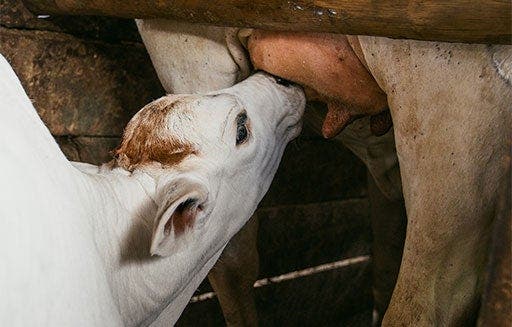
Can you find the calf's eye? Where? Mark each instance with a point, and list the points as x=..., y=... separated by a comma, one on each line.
x=241, y=128
x=241, y=134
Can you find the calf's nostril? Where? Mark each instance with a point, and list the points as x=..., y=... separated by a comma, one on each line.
x=283, y=81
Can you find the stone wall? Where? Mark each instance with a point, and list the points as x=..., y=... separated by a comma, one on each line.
x=88, y=75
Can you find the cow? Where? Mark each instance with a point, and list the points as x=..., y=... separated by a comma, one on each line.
x=450, y=105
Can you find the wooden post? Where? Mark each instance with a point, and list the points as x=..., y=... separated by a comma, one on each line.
x=470, y=21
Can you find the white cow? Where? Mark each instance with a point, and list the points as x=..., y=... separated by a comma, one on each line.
x=451, y=108
x=76, y=240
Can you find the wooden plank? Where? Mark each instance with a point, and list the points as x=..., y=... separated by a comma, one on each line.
x=472, y=21
x=13, y=14
x=91, y=149
x=339, y=297
x=81, y=87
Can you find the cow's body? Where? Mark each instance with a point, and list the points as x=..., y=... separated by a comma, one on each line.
x=452, y=112
x=451, y=107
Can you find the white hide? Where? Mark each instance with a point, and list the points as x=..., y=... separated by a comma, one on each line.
x=452, y=113
x=502, y=60
x=183, y=50
x=75, y=238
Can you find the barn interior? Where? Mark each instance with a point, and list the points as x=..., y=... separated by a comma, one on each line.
x=87, y=76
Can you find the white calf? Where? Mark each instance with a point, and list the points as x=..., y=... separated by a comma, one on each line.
x=75, y=239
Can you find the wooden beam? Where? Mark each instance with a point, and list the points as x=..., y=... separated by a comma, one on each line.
x=470, y=21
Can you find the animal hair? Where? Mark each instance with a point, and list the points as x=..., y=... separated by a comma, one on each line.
x=147, y=139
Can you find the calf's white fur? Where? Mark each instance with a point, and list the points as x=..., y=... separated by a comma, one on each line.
x=75, y=239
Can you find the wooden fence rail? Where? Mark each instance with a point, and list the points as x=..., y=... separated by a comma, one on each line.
x=470, y=21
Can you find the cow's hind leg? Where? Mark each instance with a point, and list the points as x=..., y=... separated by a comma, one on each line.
x=452, y=124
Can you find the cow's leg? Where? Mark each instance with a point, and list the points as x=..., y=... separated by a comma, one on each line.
x=450, y=105
x=450, y=204
x=451, y=145
x=233, y=276
x=388, y=230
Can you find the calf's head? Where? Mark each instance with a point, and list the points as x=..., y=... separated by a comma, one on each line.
x=213, y=155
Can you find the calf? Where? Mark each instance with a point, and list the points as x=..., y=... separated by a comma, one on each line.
x=128, y=243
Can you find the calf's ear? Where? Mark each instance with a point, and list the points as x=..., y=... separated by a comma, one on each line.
x=183, y=202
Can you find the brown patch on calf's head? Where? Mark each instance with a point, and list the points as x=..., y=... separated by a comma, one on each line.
x=146, y=138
